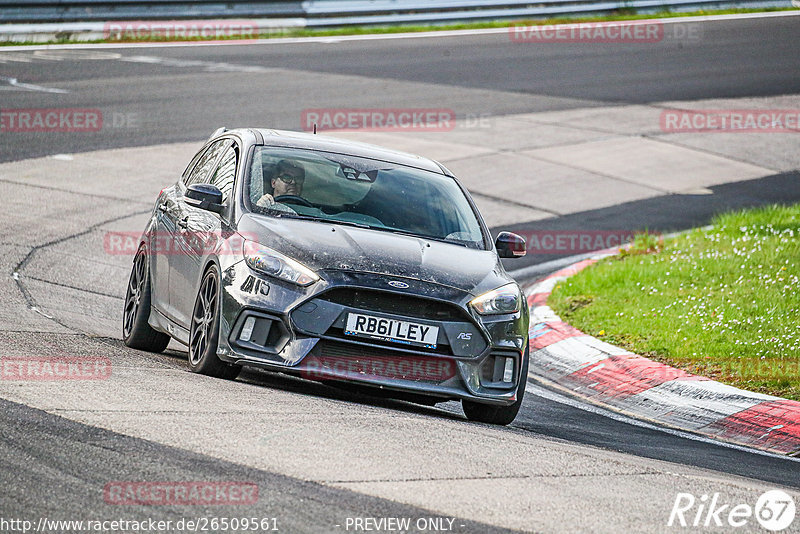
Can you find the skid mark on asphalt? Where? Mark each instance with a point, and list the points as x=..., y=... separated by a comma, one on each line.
x=71, y=192
x=18, y=270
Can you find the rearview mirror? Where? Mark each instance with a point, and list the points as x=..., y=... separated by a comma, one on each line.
x=354, y=174
x=510, y=245
x=204, y=196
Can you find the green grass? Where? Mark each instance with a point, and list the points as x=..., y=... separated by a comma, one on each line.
x=721, y=302
x=623, y=14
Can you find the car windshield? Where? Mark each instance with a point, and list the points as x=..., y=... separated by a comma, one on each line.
x=287, y=182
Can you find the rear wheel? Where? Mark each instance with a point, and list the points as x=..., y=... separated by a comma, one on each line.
x=204, y=331
x=498, y=415
x=136, y=332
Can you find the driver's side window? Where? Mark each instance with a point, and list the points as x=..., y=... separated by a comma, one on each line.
x=225, y=173
x=202, y=169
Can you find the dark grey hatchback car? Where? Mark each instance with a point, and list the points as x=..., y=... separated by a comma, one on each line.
x=334, y=261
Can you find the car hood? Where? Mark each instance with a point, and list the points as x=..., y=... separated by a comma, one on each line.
x=322, y=246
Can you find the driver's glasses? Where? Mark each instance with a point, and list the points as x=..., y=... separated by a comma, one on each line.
x=287, y=178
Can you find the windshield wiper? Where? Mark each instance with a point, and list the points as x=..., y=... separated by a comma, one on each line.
x=331, y=221
x=421, y=236
x=372, y=227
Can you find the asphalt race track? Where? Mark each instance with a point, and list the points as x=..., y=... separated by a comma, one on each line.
x=176, y=100
x=319, y=455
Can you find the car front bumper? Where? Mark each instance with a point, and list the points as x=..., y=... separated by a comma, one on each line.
x=281, y=327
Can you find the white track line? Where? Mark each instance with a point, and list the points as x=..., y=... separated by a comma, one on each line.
x=13, y=82
x=381, y=37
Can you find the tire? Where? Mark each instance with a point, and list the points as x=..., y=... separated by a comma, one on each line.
x=136, y=332
x=204, y=331
x=498, y=415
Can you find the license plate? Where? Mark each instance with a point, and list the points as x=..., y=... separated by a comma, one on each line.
x=391, y=330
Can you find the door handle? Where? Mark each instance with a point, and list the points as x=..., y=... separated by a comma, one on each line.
x=162, y=207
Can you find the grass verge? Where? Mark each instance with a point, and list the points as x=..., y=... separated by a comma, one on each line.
x=721, y=302
x=364, y=30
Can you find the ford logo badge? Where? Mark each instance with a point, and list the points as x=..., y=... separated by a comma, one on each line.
x=399, y=285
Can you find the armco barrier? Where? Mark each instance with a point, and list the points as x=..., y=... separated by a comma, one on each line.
x=566, y=359
x=36, y=20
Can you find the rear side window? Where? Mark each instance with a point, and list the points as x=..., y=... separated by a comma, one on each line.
x=199, y=174
x=225, y=173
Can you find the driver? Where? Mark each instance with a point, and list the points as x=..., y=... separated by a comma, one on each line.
x=288, y=180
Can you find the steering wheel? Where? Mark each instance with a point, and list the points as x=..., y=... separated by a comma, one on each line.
x=294, y=199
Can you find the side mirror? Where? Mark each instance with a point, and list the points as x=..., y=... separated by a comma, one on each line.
x=510, y=245
x=204, y=196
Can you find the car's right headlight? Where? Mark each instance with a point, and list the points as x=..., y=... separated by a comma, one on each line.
x=504, y=299
x=273, y=263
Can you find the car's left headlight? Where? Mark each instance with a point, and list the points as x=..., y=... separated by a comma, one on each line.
x=504, y=299
x=273, y=263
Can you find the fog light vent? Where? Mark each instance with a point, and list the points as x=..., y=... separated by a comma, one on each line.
x=500, y=370
x=247, y=329
x=254, y=330
x=508, y=371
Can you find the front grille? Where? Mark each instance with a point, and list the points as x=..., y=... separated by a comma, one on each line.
x=395, y=303
x=441, y=348
x=329, y=347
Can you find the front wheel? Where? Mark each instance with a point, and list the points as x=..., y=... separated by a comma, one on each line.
x=136, y=331
x=498, y=415
x=204, y=331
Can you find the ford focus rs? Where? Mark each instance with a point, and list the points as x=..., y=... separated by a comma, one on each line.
x=334, y=261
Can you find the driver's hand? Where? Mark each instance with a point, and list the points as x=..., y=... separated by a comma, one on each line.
x=265, y=201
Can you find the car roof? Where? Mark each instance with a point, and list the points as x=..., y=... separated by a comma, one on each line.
x=285, y=138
